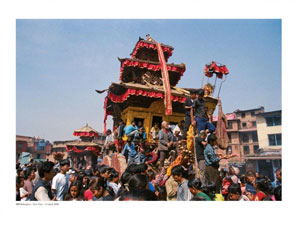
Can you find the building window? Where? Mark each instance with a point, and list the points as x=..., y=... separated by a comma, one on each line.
x=256, y=147
x=274, y=140
x=244, y=125
x=273, y=120
x=252, y=113
x=246, y=150
x=254, y=137
x=245, y=138
x=277, y=120
x=229, y=125
x=243, y=114
x=38, y=156
x=254, y=124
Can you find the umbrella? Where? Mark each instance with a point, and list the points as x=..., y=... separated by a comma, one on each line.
x=24, y=158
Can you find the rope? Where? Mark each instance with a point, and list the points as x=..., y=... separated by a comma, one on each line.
x=221, y=85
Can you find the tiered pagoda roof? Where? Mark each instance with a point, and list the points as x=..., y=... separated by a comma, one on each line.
x=137, y=70
x=86, y=131
x=144, y=46
x=141, y=80
x=87, y=135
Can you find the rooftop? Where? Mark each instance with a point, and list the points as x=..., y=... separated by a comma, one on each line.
x=86, y=128
x=254, y=109
x=270, y=112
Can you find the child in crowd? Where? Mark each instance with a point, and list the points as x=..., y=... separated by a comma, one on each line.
x=97, y=188
x=234, y=193
x=75, y=192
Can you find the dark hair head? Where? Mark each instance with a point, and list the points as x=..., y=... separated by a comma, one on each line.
x=113, y=174
x=195, y=183
x=45, y=167
x=263, y=184
x=234, y=189
x=212, y=138
x=64, y=162
x=250, y=173
x=192, y=91
x=142, y=167
x=80, y=195
x=138, y=181
x=28, y=172
x=132, y=168
x=278, y=170
x=277, y=193
x=200, y=92
x=19, y=180
x=19, y=170
x=125, y=177
x=243, y=179
x=138, y=195
x=108, y=131
x=210, y=190
x=177, y=170
x=96, y=183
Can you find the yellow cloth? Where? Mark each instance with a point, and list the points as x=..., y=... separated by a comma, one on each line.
x=219, y=197
x=177, y=161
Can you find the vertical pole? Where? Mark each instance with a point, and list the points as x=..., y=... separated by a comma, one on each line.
x=202, y=81
x=215, y=85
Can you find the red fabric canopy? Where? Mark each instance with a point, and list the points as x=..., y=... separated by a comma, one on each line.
x=152, y=46
x=89, y=134
x=95, y=150
x=149, y=66
x=130, y=91
x=213, y=68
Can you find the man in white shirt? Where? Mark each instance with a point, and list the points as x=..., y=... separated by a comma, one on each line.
x=60, y=183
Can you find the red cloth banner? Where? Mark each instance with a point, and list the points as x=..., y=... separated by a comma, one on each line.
x=105, y=115
x=166, y=82
x=141, y=44
x=121, y=98
x=89, y=134
x=149, y=66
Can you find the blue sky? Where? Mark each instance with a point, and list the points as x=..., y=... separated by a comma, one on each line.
x=60, y=63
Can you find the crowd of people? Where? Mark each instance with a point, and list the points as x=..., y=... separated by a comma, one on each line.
x=167, y=173
x=45, y=182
